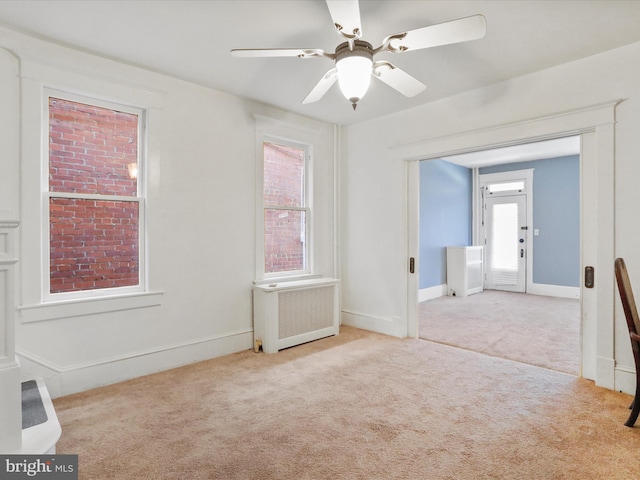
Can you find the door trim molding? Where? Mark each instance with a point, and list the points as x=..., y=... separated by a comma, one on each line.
x=598, y=360
x=547, y=127
x=525, y=174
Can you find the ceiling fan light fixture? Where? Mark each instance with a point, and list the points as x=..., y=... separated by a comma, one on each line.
x=354, y=66
x=353, y=59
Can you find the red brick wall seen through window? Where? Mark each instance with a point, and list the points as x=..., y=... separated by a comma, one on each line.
x=93, y=241
x=284, y=228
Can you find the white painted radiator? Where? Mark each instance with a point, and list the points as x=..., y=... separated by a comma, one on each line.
x=290, y=313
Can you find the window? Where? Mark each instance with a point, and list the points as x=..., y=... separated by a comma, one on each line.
x=95, y=205
x=517, y=186
x=285, y=208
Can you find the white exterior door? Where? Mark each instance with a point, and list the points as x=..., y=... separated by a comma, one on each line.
x=506, y=243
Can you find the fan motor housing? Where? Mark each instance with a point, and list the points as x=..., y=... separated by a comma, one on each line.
x=360, y=49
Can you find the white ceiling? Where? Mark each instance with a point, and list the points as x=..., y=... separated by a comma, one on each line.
x=558, y=147
x=192, y=39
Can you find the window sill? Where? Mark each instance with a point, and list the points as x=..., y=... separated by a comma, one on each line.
x=79, y=308
x=297, y=284
x=287, y=278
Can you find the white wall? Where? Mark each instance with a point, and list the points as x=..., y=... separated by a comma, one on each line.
x=10, y=408
x=374, y=183
x=201, y=209
x=201, y=225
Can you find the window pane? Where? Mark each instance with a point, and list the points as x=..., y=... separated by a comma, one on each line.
x=91, y=148
x=93, y=244
x=283, y=176
x=506, y=187
x=284, y=240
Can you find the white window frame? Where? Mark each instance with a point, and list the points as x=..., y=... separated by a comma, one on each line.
x=47, y=296
x=281, y=133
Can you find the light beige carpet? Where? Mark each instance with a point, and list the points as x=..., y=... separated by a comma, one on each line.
x=355, y=406
x=534, y=329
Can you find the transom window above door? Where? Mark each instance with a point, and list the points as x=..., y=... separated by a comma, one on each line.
x=503, y=187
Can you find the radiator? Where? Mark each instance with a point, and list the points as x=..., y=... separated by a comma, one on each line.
x=290, y=313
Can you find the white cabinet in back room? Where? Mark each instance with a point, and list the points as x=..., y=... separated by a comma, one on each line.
x=465, y=270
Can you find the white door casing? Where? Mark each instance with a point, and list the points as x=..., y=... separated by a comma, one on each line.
x=505, y=235
x=595, y=125
x=525, y=178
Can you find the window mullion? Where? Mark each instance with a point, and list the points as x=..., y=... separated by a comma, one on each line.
x=95, y=196
x=281, y=207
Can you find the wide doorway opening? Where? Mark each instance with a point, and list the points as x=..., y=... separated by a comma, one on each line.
x=521, y=205
x=534, y=329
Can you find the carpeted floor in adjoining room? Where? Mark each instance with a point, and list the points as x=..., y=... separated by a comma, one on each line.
x=533, y=329
x=356, y=406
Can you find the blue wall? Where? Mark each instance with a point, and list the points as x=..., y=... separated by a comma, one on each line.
x=556, y=214
x=445, y=216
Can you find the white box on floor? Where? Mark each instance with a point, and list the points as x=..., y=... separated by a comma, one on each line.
x=465, y=270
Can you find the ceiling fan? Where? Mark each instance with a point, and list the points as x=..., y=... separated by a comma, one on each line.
x=354, y=58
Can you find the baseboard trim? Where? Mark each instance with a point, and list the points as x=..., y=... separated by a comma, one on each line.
x=625, y=380
x=554, y=291
x=432, y=293
x=606, y=373
x=387, y=326
x=65, y=380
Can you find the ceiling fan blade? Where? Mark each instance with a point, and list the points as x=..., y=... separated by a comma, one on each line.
x=346, y=17
x=398, y=79
x=322, y=86
x=455, y=31
x=279, y=52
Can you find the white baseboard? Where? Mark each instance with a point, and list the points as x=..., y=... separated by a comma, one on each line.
x=387, y=326
x=554, y=291
x=534, y=289
x=432, y=293
x=65, y=380
x=606, y=372
x=625, y=380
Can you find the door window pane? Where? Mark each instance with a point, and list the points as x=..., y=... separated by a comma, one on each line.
x=505, y=237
